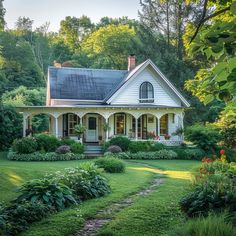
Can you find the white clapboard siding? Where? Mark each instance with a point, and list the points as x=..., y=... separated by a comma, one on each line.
x=129, y=93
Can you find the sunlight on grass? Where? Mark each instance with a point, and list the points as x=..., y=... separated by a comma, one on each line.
x=170, y=173
x=14, y=179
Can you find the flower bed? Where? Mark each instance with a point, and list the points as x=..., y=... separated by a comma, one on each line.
x=40, y=156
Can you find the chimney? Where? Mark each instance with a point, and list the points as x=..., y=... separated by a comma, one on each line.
x=131, y=62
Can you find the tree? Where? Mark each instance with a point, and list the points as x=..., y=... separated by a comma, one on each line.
x=10, y=126
x=169, y=18
x=2, y=14
x=24, y=25
x=109, y=46
x=73, y=30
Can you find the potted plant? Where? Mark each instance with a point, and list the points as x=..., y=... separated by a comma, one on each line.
x=79, y=129
x=106, y=127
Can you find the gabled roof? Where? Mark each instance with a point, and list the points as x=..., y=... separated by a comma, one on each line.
x=97, y=84
x=136, y=71
x=83, y=84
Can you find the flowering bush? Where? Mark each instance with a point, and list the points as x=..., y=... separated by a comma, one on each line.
x=63, y=149
x=214, y=187
x=114, y=149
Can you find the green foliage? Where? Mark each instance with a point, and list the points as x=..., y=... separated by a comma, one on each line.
x=194, y=153
x=216, y=194
x=77, y=148
x=18, y=217
x=162, y=154
x=214, y=189
x=139, y=146
x=212, y=225
x=9, y=130
x=25, y=145
x=39, y=156
x=111, y=164
x=80, y=129
x=47, y=143
x=109, y=46
x=85, y=181
x=121, y=141
x=202, y=136
x=47, y=191
x=73, y=30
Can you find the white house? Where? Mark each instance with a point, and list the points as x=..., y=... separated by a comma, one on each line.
x=140, y=103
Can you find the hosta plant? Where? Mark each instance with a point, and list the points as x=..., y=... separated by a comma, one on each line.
x=48, y=191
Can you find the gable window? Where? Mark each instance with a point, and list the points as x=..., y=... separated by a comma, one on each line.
x=146, y=93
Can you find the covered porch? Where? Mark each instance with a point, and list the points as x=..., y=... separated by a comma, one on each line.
x=103, y=123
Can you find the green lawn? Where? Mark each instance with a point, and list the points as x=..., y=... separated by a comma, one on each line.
x=152, y=215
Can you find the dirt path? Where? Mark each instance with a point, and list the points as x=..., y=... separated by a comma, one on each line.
x=104, y=216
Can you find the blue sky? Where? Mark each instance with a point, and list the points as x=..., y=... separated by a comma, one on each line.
x=55, y=10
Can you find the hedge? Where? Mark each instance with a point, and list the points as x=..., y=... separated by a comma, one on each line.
x=38, y=156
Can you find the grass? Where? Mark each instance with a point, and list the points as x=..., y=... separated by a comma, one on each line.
x=152, y=215
x=157, y=213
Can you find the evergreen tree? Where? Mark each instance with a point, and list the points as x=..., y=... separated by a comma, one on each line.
x=2, y=14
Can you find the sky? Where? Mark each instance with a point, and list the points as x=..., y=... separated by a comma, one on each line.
x=54, y=11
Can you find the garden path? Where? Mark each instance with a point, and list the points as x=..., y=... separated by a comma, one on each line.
x=92, y=226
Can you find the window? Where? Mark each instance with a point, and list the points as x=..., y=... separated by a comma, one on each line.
x=146, y=93
x=119, y=123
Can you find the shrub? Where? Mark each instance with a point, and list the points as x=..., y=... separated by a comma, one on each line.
x=121, y=141
x=216, y=193
x=209, y=226
x=38, y=156
x=63, y=149
x=166, y=154
x=181, y=153
x=25, y=145
x=85, y=181
x=162, y=154
x=111, y=164
x=77, y=148
x=202, y=136
x=195, y=153
x=114, y=149
x=18, y=217
x=47, y=191
x=67, y=141
x=156, y=146
x=139, y=146
x=47, y=142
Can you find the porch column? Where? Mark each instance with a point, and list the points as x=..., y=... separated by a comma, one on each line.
x=107, y=131
x=56, y=126
x=25, y=117
x=136, y=129
x=158, y=127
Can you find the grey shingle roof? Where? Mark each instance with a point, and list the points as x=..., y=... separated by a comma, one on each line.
x=83, y=84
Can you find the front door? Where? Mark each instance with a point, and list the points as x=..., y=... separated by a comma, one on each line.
x=92, y=129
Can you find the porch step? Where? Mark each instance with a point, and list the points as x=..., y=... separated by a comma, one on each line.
x=93, y=150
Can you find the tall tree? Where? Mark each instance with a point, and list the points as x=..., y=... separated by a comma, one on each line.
x=73, y=30
x=2, y=14
x=169, y=17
